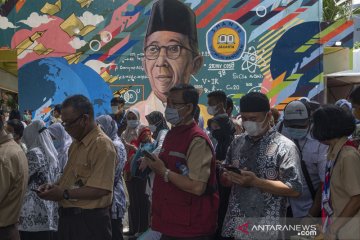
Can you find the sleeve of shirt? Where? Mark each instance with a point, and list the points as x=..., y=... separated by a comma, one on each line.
x=290, y=169
x=5, y=181
x=199, y=156
x=103, y=166
x=350, y=172
x=322, y=160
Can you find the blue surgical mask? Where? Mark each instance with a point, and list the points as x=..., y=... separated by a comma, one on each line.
x=152, y=128
x=133, y=123
x=297, y=133
x=172, y=116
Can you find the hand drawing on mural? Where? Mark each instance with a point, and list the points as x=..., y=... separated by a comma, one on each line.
x=171, y=52
x=252, y=61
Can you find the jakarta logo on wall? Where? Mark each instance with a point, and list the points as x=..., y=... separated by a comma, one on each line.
x=226, y=41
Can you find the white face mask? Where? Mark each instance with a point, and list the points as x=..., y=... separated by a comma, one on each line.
x=133, y=123
x=152, y=128
x=114, y=109
x=212, y=110
x=254, y=129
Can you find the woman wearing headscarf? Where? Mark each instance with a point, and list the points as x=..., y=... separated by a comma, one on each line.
x=109, y=126
x=223, y=131
x=139, y=203
x=39, y=218
x=158, y=127
x=62, y=142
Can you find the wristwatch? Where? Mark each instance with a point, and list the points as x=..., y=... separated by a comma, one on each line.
x=166, y=175
x=66, y=195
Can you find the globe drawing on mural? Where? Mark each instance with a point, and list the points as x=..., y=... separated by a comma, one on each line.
x=57, y=81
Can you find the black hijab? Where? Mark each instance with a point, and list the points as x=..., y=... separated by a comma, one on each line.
x=157, y=118
x=224, y=135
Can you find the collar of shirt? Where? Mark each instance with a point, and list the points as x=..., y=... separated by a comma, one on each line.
x=90, y=136
x=5, y=138
x=335, y=149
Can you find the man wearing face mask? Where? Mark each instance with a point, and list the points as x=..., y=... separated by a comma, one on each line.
x=297, y=121
x=185, y=198
x=118, y=113
x=269, y=171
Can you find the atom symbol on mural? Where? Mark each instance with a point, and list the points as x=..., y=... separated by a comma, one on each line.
x=252, y=60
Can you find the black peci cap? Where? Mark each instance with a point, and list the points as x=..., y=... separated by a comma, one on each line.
x=254, y=102
x=174, y=16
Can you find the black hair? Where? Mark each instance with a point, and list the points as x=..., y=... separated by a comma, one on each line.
x=14, y=114
x=17, y=126
x=330, y=122
x=189, y=94
x=57, y=108
x=229, y=104
x=220, y=96
x=116, y=101
x=80, y=104
x=355, y=96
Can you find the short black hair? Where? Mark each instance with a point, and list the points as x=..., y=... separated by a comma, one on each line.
x=116, y=101
x=17, y=126
x=355, y=95
x=14, y=114
x=219, y=95
x=80, y=103
x=229, y=103
x=331, y=122
x=57, y=108
x=189, y=94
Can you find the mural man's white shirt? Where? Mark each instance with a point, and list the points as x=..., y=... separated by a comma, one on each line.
x=152, y=103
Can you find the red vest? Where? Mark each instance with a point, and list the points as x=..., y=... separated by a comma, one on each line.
x=175, y=212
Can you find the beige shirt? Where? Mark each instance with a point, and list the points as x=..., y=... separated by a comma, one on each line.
x=91, y=163
x=199, y=156
x=345, y=183
x=13, y=180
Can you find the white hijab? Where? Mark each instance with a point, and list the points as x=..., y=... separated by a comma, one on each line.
x=37, y=135
x=131, y=133
x=58, y=132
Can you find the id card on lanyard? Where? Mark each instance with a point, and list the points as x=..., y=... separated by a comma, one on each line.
x=327, y=210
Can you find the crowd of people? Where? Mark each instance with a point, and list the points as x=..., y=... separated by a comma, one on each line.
x=77, y=177
x=175, y=175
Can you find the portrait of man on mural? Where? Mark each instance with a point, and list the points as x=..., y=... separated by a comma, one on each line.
x=171, y=52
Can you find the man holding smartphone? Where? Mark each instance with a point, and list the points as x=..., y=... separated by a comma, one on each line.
x=270, y=172
x=185, y=198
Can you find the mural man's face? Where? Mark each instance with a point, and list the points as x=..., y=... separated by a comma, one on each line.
x=164, y=72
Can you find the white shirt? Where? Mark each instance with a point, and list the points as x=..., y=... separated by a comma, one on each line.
x=314, y=155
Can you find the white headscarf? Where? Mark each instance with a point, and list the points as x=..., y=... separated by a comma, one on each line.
x=58, y=132
x=37, y=135
x=131, y=133
x=108, y=125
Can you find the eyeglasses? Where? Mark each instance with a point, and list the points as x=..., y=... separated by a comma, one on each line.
x=67, y=125
x=152, y=52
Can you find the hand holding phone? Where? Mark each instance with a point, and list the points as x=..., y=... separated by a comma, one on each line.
x=232, y=169
x=35, y=190
x=148, y=155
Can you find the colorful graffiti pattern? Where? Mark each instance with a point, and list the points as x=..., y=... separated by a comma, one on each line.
x=73, y=46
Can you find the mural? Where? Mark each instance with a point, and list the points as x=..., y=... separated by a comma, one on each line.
x=95, y=47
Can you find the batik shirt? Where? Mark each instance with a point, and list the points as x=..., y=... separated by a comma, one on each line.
x=273, y=157
x=37, y=214
x=119, y=198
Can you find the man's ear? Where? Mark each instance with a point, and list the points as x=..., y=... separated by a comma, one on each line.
x=143, y=63
x=197, y=64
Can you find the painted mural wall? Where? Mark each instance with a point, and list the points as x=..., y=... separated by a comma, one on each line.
x=95, y=48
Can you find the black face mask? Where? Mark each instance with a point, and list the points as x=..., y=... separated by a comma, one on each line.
x=218, y=134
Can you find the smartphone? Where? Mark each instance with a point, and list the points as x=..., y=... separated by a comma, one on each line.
x=233, y=169
x=35, y=190
x=148, y=155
